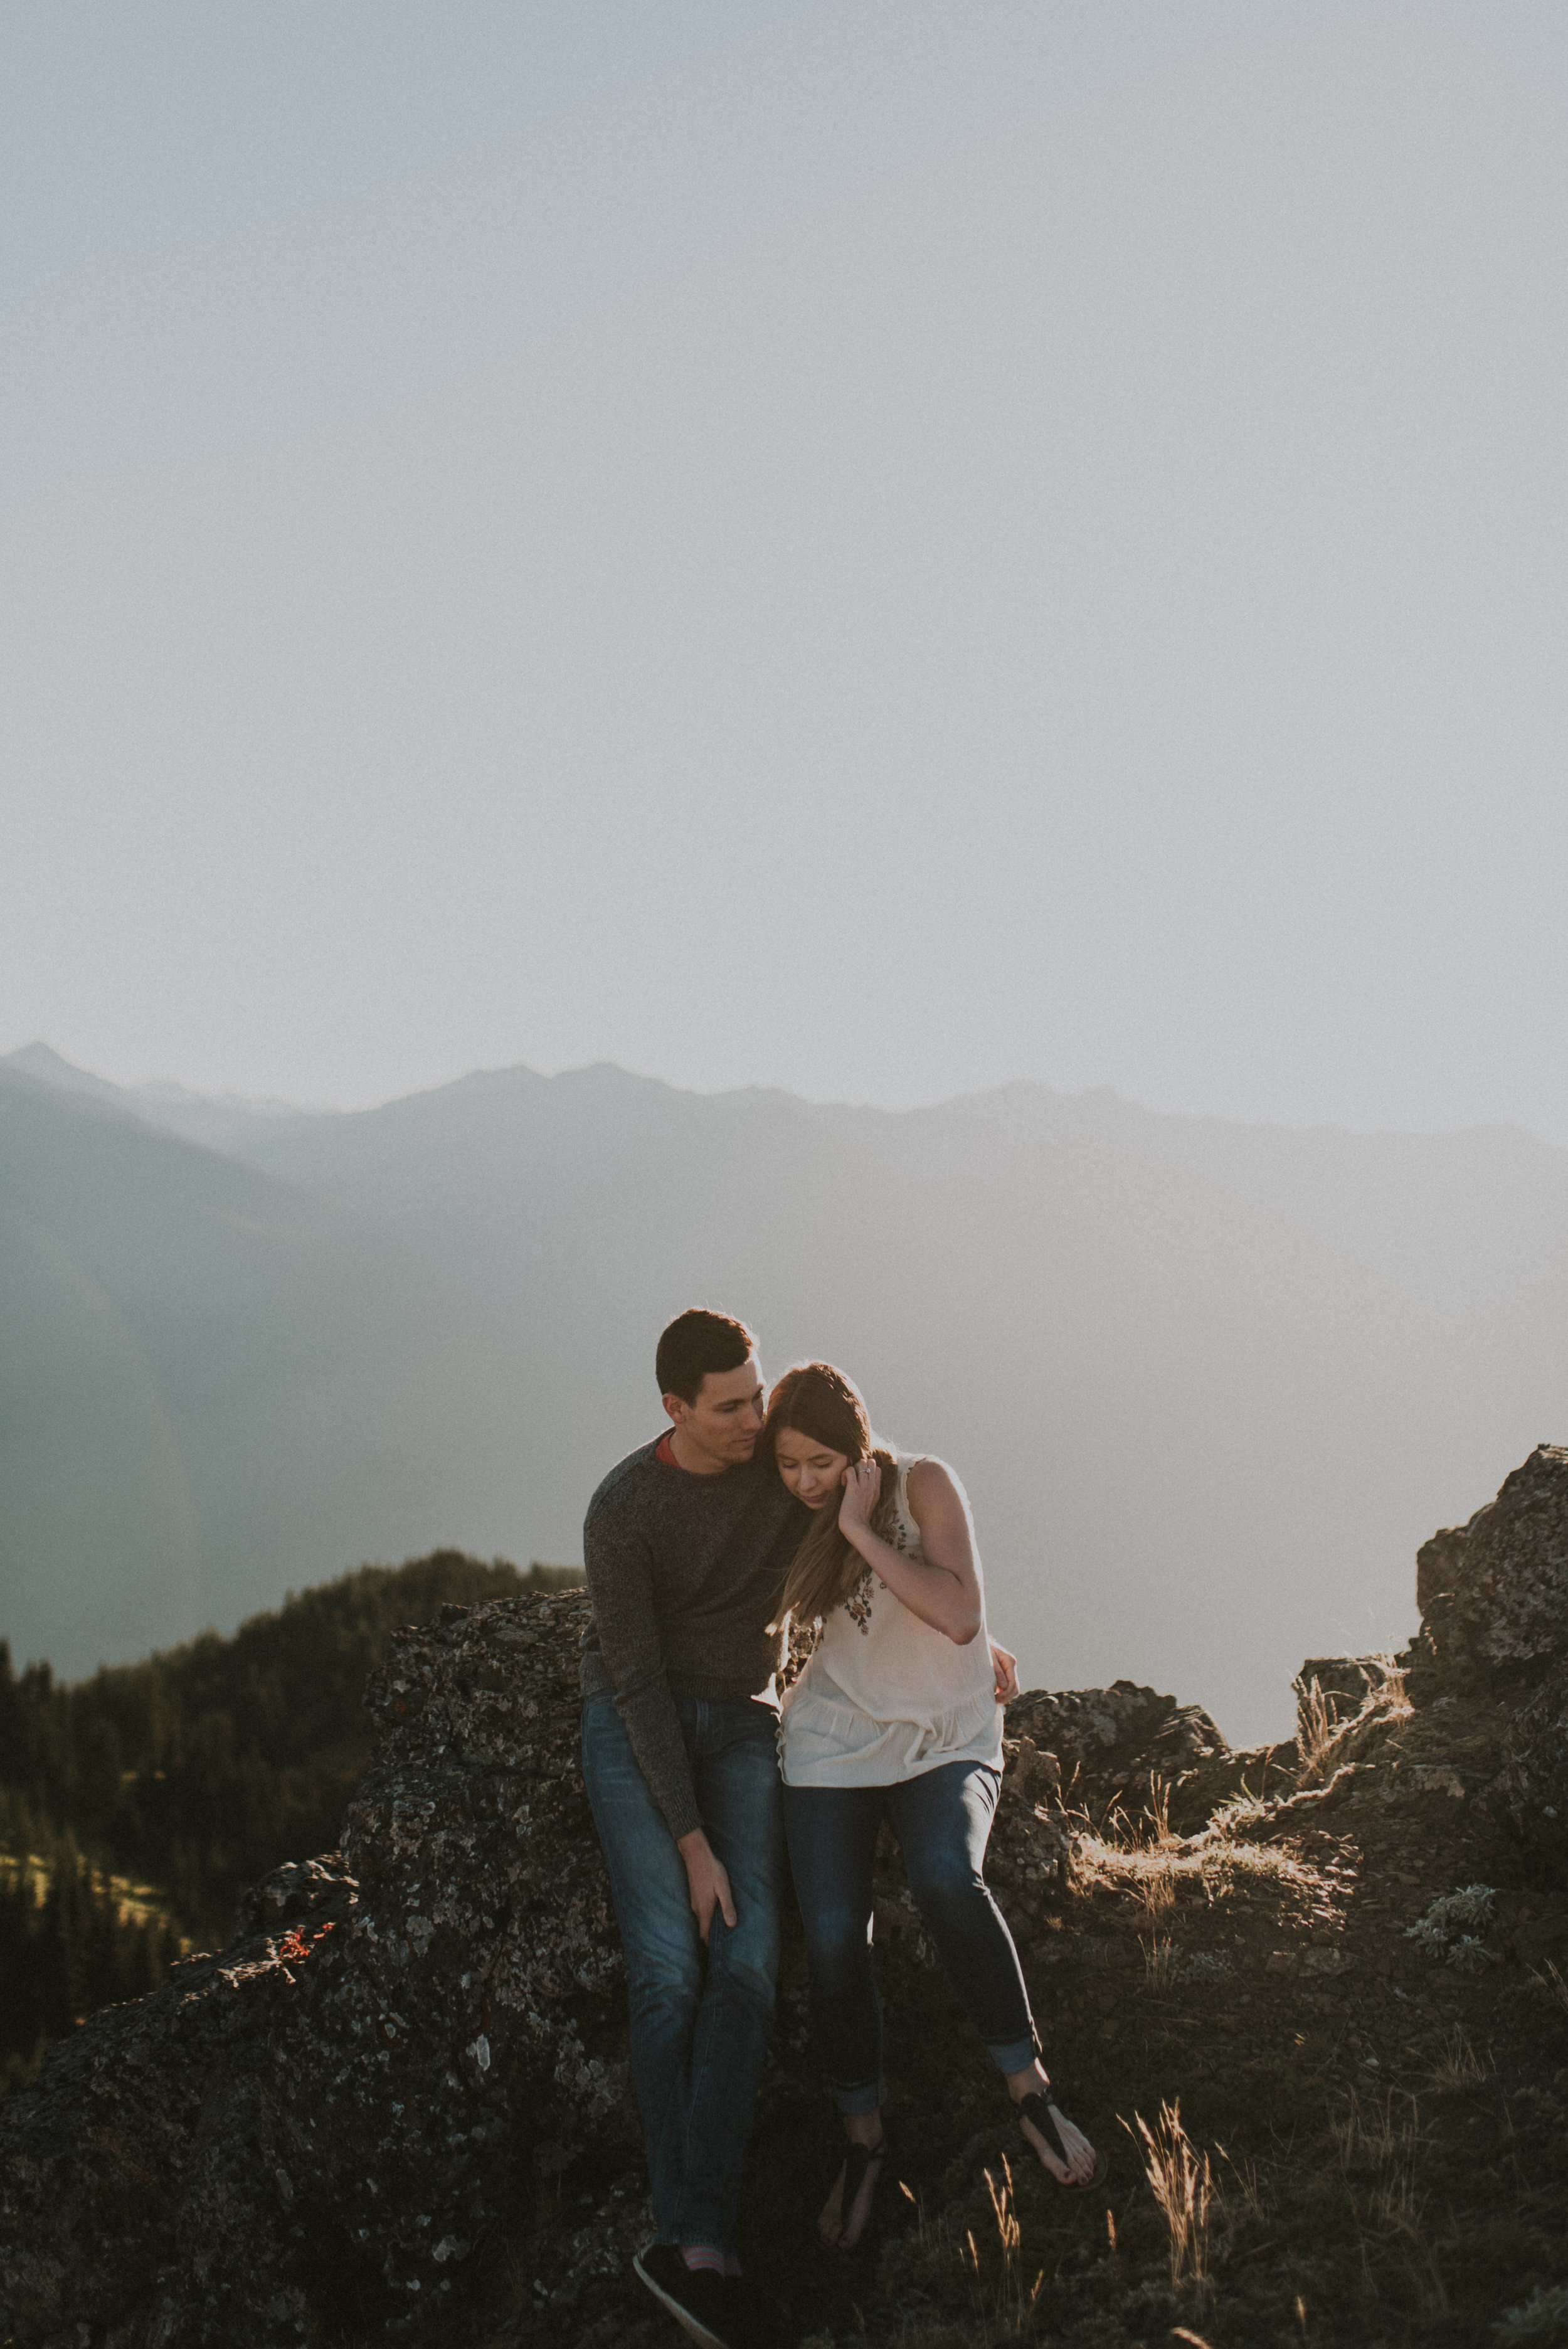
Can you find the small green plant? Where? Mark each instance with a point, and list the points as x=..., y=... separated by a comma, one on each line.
x=1542, y=2317
x=1204, y=1966
x=1441, y=1931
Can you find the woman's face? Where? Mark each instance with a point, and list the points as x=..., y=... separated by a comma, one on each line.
x=813, y=1473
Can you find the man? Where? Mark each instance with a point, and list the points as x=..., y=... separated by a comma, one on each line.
x=685, y=1545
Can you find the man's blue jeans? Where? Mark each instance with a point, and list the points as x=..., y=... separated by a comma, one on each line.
x=700, y=2019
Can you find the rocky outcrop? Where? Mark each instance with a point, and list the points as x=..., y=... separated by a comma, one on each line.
x=334, y=2129
x=1493, y=1594
x=396, y=2107
x=1122, y=1750
x=1130, y=1758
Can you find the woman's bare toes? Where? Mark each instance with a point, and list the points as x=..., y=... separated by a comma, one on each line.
x=1079, y=2165
x=1047, y=2158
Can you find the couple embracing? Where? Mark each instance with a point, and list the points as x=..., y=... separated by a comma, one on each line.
x=754, y=1510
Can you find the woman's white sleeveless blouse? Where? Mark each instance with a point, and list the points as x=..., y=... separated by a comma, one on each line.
x=884, y=1696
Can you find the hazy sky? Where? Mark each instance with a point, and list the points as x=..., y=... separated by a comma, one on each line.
x=876, y=549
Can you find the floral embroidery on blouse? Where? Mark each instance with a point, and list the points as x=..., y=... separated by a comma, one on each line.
x=802, y=1645
x=857, y=1605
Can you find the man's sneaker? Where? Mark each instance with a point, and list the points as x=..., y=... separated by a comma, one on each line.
x=697, y=2298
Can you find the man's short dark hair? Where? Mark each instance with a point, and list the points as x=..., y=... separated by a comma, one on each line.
x=696, y=1343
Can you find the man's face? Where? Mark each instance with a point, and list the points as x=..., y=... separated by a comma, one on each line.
x=726, y=1420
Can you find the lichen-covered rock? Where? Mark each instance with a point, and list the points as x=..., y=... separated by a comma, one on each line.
x=1493, y=1594
x=1120, y=1749
x=330, y=2132
x=298, y=1889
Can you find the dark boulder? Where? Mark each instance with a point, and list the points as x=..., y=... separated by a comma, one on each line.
x=1493, y=1594
x=331, y=2132
x=1121, y=1750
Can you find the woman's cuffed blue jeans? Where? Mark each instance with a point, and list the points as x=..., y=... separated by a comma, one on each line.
x=701, y=2019
x=941, y=1820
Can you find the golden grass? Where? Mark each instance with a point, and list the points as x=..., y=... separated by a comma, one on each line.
x=1316, y=1728
x=1208, y=1863
x=1005, y=2298
x=1159, y=1962
x=1324, y=1742
x=1182, y=2181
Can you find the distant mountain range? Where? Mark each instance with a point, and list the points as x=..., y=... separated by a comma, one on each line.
x=1207, y=1386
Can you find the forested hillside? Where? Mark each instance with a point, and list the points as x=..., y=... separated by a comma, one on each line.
x=136, y=1805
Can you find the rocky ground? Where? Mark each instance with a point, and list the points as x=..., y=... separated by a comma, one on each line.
x=1313, y=2000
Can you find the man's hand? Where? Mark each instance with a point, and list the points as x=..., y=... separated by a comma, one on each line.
x=1006, y=1668
x=706, y=1881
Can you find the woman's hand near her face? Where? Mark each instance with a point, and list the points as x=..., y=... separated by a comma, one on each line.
x=943, y=1589
x=862, y=1487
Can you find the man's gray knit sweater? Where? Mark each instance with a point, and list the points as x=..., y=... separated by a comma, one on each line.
x=685, y=1573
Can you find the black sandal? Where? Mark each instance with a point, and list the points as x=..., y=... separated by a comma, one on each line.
x=857, y=2159
x=1035, y=2108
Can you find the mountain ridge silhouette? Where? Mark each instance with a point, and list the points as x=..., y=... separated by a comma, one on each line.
x=1207, y=1385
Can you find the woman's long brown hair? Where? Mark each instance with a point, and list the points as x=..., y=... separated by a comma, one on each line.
x=825, y=1405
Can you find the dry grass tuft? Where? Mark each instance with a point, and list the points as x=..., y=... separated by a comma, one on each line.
x=1552, y=1983
x=1392, y=1696
x=1253, y=2196
x=1006, y=2305
x=1156, y=1887
x=1371, y=2140
x=1182, y=2184
x=1314, y=1734
x=1326, y=1741
x=1460, y=2065
x=1151, y=1831
x=1210, y=1862
x=1380, y=2149
x=1159, y=1962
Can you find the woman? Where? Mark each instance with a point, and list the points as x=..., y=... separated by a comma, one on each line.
x=895, y=1715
